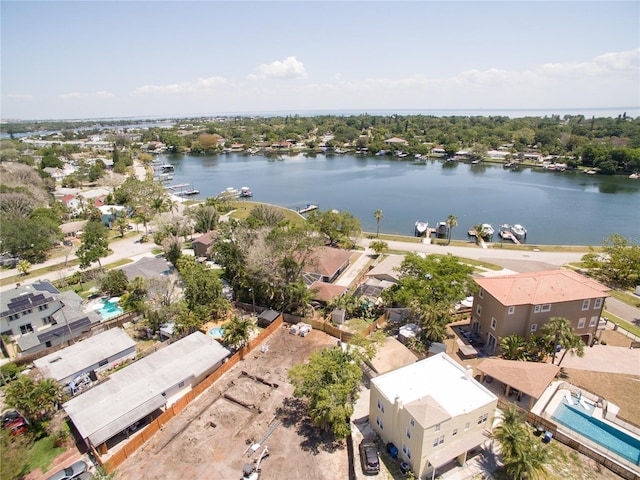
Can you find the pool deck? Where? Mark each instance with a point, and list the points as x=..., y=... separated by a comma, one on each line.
x=558, y=391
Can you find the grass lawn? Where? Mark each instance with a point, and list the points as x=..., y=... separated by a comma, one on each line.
x=242, y=209
x=42, y=454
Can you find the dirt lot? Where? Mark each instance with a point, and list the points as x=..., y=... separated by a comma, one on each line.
x=210, y=438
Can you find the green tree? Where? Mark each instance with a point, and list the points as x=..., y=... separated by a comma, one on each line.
x=618, y=264
x=36, y=399
x=24, y=266
x=267, y=215
x=202, y=288
x=330, y=382
x=114, y=283
x=378, y=216
x=205, y=217
x=452, y=221
x=94, y=245
x=559, y=332
x=379, y=246
x=340, y=228
x=573, y=345
x=237, y=332
x=514, y=347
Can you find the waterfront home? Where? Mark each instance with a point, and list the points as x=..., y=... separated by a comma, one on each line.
x=396, y=141
x=521, y=304
x=325, y=264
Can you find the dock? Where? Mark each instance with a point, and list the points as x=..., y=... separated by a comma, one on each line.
x=179, y=185
x=505, y=235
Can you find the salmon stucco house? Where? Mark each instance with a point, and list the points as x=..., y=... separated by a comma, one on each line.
x=432, y=411
x=521, y=304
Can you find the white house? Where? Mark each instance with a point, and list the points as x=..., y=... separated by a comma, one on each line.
x=433, y=411
x=141, y=390
x=93, y=355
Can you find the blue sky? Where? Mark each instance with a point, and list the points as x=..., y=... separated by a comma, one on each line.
x=166, y=58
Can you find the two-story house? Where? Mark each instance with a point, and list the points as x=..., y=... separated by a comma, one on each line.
x=521, y=304
x=433, y=411
x=38, y=316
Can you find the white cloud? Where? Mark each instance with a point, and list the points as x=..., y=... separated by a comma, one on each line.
x=201, y=85
x=20, y=96
x=290, y=67
x=85, y=96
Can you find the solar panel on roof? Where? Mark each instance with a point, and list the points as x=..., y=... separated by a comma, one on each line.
x=46, y=287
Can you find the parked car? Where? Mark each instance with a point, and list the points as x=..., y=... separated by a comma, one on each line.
x=369, y=458
x=72, y=472
x=17, y=427
x=9, y=416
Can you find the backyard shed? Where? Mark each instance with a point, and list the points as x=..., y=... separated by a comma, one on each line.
x=267, y=317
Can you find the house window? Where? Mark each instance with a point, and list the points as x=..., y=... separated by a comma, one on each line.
x=47, y=344
x=181, y=384
x=14, y=317
x=413, y=423
x=493, y=323
x=43, y=307
x=379, y=423
x=536, y=309
x=408, y=433
x=406, y=450
x=26, y=328
x=534, y=327
x=437, y=427
x=435, y=442
x=581, y=322
x=380, y=406
x=441, y=440
x=511, y=310
x=481, y=293
x=455, y=432
x=597, y=303
x=48, y=320
x=27, y=311
x=593, y=321
x=482, y=418
x=479, y=310
x=466, y=426
x=585, y=304
x=546, y=307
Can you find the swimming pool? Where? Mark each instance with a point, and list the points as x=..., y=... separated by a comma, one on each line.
x=216, y=332
x=109, y=309
x=577, y=419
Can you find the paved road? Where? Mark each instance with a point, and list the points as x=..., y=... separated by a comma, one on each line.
x=122, y=249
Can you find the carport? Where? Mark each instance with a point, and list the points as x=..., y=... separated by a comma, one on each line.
x=530, y=378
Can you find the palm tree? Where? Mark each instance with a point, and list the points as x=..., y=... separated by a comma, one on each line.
x=574, y=345
x=378, y=216
x=237, y=332
x=513, y=347
x=452, y=221
x=558, y=332
x=378, y=246
x=480, y=232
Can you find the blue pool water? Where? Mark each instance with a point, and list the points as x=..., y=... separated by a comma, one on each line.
x=216, y=332
x=581, y=421
x=109, y=310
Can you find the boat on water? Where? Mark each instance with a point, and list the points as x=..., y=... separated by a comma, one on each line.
x=188, y=192
x=519, y=231
x=505, y=231
x=487, y=230
x=635, y=175
x=307, y=208
x=421, y=228
x=246, y=192
x=167, y=167
x=229, y=192
x=442, y=229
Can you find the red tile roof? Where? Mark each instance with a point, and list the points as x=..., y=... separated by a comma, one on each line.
x=535, y=288
x=325, y=292
x=326, y=261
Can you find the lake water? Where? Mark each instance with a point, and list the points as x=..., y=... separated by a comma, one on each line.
x=556, y=208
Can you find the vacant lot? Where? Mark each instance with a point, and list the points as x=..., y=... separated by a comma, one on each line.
x=211, y=437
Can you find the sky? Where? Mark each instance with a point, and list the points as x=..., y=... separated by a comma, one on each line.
x=149, y=59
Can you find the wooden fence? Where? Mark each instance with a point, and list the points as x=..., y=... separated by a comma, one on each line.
x=547, y=425
x=137, y=441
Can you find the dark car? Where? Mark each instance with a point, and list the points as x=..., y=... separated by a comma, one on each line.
x=369, y=458
x=72, y=472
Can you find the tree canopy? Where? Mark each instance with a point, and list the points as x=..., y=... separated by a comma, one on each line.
x=619, y=263
x=330, y=382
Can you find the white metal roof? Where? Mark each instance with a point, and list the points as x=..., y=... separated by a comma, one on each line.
x=76, y=358
x=100, y=413
x=440, y=377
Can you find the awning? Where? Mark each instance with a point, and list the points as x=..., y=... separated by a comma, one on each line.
x=105, y=433
x=531, y=378
x=446, y=452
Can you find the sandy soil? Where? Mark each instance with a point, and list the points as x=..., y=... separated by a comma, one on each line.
x=211, y=437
